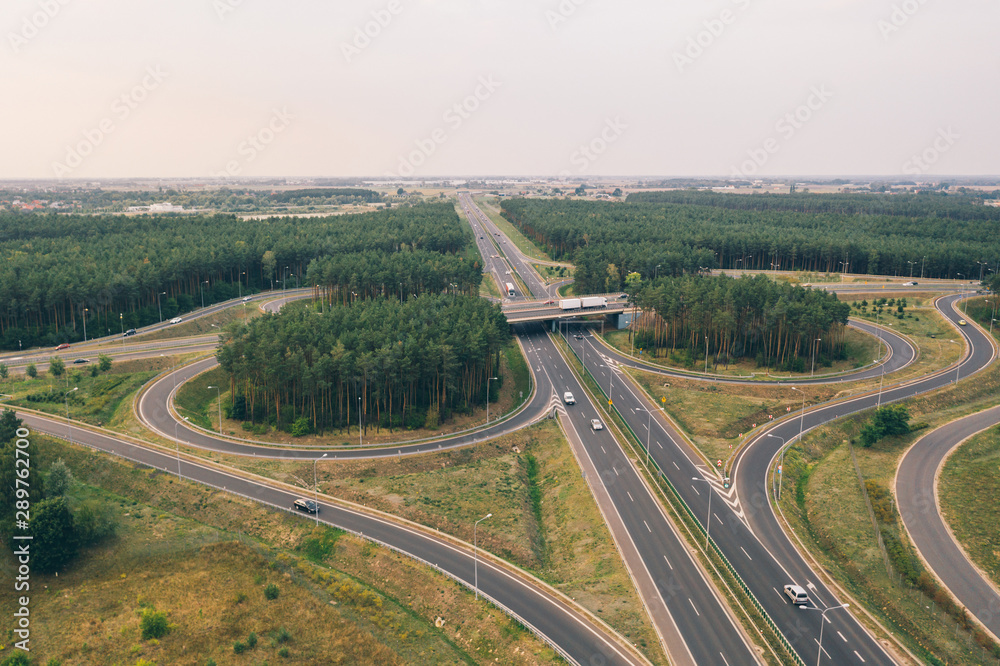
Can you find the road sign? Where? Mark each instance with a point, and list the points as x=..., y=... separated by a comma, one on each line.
x=725, y=483
x=779, y=469
x=719, y=464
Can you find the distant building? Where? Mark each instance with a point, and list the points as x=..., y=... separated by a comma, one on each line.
x=165, y=208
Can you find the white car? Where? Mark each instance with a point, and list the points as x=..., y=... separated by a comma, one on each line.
x=246, y=298
x=176, y=320
x=568, y=398
x=596, y=424
x=797, y=594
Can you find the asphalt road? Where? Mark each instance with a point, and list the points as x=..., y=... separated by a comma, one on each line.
x=578, y=638
x=917, y=498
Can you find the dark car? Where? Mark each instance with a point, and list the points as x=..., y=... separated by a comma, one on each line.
x=81, y=361
x=578, y=336
x=129, y=332
x=306, y=505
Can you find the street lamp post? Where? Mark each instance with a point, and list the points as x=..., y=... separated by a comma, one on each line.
x=218, y=392
x=922, y=267
x=68, y=422
x=812, y=372
x=202, y=291
x=822, y=622
x=781, y=465
x=488, y=398
x=475, y=549
x=708, y=520
x=911, y=268
x=706, y=354
x=316, y=487
x=121, y=320
x=158, y=308
x=360, y=441
x=85, y=311
x=649, y=428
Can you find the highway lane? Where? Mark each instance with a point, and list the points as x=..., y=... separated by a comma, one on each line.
x=578, y=638
x=764, y=572
x=754, y=461
x=920, y=508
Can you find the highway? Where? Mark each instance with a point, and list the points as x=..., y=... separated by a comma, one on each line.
x=578, y=638
x=920, y=509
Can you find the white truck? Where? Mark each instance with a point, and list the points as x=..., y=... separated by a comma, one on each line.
x=594, y=302
x=569, y=304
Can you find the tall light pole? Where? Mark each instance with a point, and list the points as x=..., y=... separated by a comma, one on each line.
x=708, y=520
x=316, y=487
x=85, y=311
x=706, y=354
x=218, y=392
x=911, y=268
x=68, y=422
x=649, y=427
x=822, y=622
x=922, y=267
x=781, y=464
x=202, y=291
x=121, y=320
x=475, y=548
x=816, y=342
x=488, y=398
x=159, y=309
x=177, y=447
x=360, y=442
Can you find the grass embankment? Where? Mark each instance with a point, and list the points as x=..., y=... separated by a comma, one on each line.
x=828, y=511
x=553, y=273
x=200, y=404
x=968, y=490
x=205, y=558
x=862, y=349
x=526, y=247
x=97, y=400
x=544, y=518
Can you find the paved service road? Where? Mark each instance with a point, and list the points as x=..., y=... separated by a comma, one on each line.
x=577, y=637
x=917, y=498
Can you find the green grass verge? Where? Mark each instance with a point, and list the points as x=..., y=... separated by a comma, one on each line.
x=205, y=558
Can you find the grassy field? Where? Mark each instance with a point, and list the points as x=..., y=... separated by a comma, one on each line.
x=205, y=558
x=96, y=400
x=968, y=482
x=199, y=403
x=527, y=248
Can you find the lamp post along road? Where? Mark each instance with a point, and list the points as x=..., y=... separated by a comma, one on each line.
x=475, y=549
x=781, y=467
x=488, y=398
x=85, y=311
x=819, y=654
x=708, y=520
x=218, y=392
x=68, y=422
x=316, y=488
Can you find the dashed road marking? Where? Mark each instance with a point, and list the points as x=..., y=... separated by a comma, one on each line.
x=647, y=526
x=693, y=606
x=668, y=562
x=747, y=554
x=841, y=636
x=858, y=655
x=629, y=495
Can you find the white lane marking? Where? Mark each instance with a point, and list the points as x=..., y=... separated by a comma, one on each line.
x=718, y=519
x=675, y=465
x=695, y=490
x=660, y=445
x=816, y=641
x=778, y=593
x=616, y=470
x=602, y=449
x=748, y=556
x=856, y=653
x=724, y=658
x=668, y=562
x=647, y=526
x=695, y=609
x=629, y=495
x=841, y=636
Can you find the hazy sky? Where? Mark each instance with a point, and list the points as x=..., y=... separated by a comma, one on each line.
x=106, y=88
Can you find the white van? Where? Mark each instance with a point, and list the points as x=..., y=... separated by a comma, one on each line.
x=568, y=398
x=797, y=594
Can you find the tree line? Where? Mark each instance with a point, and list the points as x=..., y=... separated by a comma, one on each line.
x=775, y=323
x=123, y=272
x=374, y=363
x=658, y=238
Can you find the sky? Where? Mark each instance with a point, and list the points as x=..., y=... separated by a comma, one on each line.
x=428, y=88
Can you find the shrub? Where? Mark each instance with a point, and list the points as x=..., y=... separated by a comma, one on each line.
x=153, y=624
x=239, y=647
x=282, y=636
x=271, y=592
x=56, y=367
x=283, y=652
x=252, y=640
x=104, y=362
x=31, y=371
x=18, y=658
x=4, y=372
x=885, y=421
x=59, y=479
x=301, y=427
x=881, y=500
